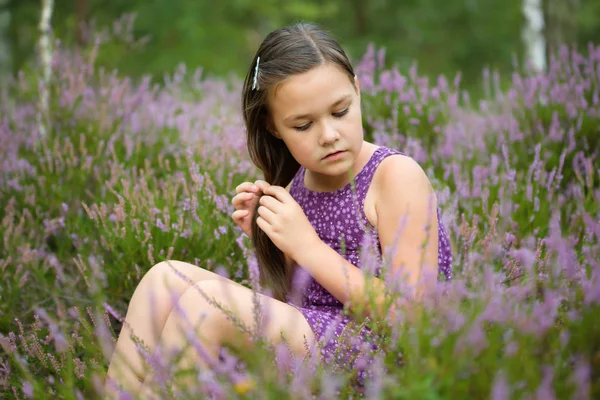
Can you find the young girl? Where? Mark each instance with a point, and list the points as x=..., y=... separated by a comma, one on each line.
x=301, y=107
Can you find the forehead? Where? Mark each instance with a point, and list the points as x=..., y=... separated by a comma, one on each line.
x=309, y=91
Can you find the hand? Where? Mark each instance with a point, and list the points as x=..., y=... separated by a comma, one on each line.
x=245, y=202
x=283, y=220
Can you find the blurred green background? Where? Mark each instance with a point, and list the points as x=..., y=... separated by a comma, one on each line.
x=442, y=36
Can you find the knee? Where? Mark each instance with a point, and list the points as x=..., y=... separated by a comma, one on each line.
x=159, y=269
x=162, y=273
x=159, y=280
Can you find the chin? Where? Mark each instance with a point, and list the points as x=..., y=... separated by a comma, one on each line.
x=342, y=168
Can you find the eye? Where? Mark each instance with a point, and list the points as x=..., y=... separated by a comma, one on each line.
x=303, y=127
x=342, y=113
x=337, y=115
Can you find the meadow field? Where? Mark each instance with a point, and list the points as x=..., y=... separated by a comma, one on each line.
x=134, y=172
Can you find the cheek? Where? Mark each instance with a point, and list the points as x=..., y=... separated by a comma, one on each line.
x=354, y=120
x=299, y=147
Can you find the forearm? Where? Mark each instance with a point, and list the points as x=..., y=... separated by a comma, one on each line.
x=347, y=283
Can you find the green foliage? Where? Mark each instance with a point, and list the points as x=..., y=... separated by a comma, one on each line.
x=221, y=37
x=111, y=191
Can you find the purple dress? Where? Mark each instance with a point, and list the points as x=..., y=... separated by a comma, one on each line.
x=333, y=217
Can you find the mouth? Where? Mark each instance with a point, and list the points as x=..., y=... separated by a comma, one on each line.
x=333, y=154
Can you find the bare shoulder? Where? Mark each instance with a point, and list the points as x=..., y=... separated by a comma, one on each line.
x=400, y=166
x=400, y=175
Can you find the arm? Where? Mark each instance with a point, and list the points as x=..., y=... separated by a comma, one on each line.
x=402, y=190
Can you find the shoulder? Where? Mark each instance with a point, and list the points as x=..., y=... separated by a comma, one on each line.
x=399, y=168
x=398, y=177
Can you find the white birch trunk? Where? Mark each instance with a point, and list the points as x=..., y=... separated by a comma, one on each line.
x=533, y=34
x=45, y=50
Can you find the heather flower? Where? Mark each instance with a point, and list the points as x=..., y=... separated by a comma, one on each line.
x=60, y=342
x=161, y=225
x=28, y=389
x=591, y=289
x=515, y=177
x=501, y=389
x=580, y=379
x=545, y=390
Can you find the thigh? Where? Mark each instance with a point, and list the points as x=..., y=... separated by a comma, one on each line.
x=177, y=276
x=278, y=318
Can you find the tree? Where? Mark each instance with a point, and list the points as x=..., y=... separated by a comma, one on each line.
x=45, y=51
x=533, y=34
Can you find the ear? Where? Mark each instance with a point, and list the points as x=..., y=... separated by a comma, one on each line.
x=274, y=133
x=271, y=128
x=357, y=85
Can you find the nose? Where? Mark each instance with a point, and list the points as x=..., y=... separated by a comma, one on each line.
x=329, y=134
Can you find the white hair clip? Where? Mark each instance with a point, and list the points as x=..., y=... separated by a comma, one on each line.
x=254, y=85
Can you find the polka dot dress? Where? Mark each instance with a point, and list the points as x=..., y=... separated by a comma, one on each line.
x=339, y=219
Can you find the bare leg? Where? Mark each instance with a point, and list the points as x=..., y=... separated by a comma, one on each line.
x=148, y=310
x=213, y=329
x=176, y=326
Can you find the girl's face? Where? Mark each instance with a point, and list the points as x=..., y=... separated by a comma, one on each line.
x=316, y=113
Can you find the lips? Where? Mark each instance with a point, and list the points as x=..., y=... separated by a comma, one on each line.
x=335, y=152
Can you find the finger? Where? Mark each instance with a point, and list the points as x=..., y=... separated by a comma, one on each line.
x=236, y=201
x=271, y=203
x=238, y=215
x=279, y=193
x=245, y=196
x=266, y=214
x=264, y=226
x=246, y=187
x=241, y=198
x=243, y=187
x=262, y=185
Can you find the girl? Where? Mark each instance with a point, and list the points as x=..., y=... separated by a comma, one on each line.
x=301, y=107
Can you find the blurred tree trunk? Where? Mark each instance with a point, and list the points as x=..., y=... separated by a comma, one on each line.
x=81, y=9
x=45, y=49
x=533, y=34
x=360, y=16
x=560, y=18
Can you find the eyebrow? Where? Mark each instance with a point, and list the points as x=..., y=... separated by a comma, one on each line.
x=337, y=102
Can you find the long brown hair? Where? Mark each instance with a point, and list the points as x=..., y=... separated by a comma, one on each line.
x=291, y=50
